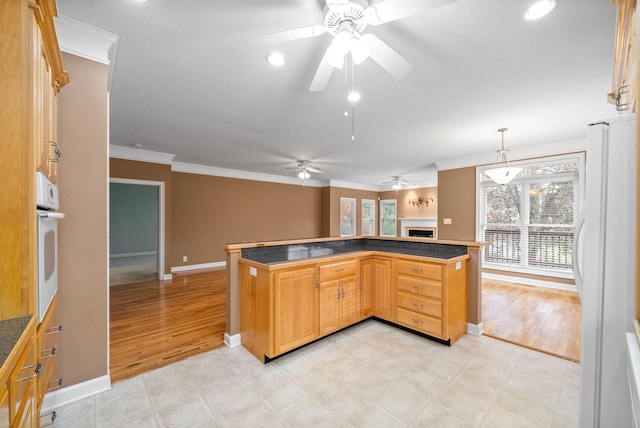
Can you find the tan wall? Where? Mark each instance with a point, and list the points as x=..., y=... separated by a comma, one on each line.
x=211, y=211
x=82, y=182
x=457, y=201
x=406, y=210
x=333, y=213
x=120, y=168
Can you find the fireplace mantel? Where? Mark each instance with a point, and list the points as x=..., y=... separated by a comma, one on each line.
x=407, y=223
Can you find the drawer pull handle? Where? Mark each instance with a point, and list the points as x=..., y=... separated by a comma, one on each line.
x=38, y=369
x=343, y=293
x=417, y=270
x=54, y=330
x=416, y=321
x=416, y=287
x=52, y=352
x=417, y=305
x=338, y=293
x=55, y=384
x=340, y=270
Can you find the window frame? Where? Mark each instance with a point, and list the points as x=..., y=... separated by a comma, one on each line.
x=372, y=218
x=393, y=202
x=524, y=225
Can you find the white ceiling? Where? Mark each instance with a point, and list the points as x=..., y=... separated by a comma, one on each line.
x=188, y=82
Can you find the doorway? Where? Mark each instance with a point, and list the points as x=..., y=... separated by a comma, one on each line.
x=136, y=230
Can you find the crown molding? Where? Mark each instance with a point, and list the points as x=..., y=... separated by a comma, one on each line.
x=140, y=155
x=84, y=40
x=242, y=175
x=87, y=41
x=349, y=185
x=542, y=150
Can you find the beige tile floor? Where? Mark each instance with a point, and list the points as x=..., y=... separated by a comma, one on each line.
x=370, y=375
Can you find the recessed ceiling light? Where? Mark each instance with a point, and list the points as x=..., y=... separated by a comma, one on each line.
x=540, y=9
x=276, y=59
x=353, y=97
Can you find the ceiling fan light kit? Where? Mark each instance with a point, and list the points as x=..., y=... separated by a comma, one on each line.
x=501, y=172
x=540, y=9
x=276, y=59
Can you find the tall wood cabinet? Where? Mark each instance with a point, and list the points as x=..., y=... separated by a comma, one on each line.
x=30, y=78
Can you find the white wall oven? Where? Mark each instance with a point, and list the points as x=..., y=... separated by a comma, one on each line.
x=47, y=202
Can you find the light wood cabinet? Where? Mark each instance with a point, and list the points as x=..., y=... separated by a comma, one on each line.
x=18, y=377
x=4, y=406
x=47, y=335
x=339, y=296
x=382, y=290
x=286, y=305
x=432, y=297
x=295, y=309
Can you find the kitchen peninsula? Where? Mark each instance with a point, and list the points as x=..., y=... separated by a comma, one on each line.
x=285, y=294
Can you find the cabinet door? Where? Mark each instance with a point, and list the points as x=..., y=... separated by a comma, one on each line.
x=295, y=309
x=367, y=281
x=382, y=289
x=4, y=406
x=329, y=307
x=23, y=387
x=349, y=301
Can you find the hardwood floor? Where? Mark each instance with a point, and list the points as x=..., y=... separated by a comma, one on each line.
x=154, y=323
x=539, y=318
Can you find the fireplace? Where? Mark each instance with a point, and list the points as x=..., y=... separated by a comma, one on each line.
x=421, y=233
x=419, y=227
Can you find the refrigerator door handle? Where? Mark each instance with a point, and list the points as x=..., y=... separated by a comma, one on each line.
x=577, y=273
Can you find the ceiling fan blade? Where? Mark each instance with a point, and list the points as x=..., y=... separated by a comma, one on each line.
x=391, y=10
x=315, y=170
x=331, y=3
x=388, y=59
x=290, y=35
x=323, y=73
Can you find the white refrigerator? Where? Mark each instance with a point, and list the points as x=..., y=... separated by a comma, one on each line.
x=604, y=267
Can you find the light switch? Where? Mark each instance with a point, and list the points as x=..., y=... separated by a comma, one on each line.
x=446, y=220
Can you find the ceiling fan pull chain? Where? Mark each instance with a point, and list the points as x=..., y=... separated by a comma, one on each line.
x=353, y=115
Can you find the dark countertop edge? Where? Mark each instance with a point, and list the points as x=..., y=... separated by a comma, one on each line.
x=357, y=253
x=13, y=333
x=257, y=244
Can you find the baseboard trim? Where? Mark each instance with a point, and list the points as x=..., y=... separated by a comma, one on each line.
x=474, y=329
x=167, y=276
x=198, y=266
x=73, y=393
x=232, y=341
x=529, y=281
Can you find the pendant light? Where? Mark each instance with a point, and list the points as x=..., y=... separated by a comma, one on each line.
x=501, y=172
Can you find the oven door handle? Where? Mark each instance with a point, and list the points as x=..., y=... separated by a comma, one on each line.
x=50, y=215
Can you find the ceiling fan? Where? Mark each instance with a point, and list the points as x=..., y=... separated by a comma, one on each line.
x=304, y=168
x=346, y=20
x=397, y=183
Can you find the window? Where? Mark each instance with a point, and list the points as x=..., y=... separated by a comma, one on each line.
x=529, y=223
x=368, y=217
x=388, y=216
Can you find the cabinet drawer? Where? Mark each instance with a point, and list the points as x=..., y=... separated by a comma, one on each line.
x=421, y=269
x=338, y=270
x=420, y=286
x=423, y=323
x=420, y=304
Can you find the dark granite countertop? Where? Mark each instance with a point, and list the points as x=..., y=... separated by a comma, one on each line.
x=287, y=253
x=10, y=331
